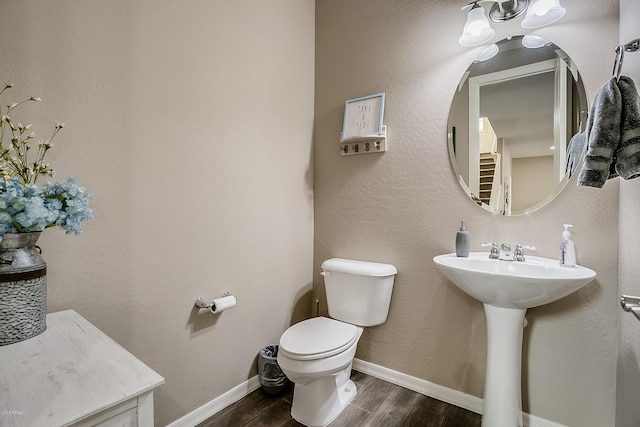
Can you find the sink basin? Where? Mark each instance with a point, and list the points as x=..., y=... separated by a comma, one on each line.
x=511, y=284
x=507, y=289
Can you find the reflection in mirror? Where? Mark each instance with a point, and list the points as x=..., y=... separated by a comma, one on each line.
x=511, y=123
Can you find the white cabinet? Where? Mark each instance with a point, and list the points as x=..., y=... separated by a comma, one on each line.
x=74, y=375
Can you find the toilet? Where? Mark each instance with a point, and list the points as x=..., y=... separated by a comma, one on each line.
x=317, y=354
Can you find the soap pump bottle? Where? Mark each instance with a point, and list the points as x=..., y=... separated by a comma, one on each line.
x=462, y=241
x=567, y=248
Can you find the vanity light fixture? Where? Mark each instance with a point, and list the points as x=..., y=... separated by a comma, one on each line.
x=477, y=29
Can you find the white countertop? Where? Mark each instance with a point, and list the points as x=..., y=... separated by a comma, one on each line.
x=66, y=373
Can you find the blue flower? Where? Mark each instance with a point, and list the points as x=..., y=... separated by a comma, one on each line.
x=30, y=208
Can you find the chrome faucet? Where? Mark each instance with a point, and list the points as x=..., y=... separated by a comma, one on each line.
x=518, y=253
x=503, y=252
x=495, y=250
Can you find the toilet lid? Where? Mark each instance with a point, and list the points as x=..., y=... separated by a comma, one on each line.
x=318, y=337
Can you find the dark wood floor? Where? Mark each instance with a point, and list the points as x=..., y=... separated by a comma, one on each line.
x=377, y=404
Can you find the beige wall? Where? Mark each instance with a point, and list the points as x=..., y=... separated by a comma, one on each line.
x=192, y=122
x=404, y=207
x=628, y=383
x=532, y=181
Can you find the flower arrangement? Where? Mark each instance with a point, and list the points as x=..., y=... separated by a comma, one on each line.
x=24, y=206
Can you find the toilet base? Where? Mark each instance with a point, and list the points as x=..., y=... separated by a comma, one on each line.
x=319, y=403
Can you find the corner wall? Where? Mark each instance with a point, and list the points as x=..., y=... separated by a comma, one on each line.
x=404, y=207
x=192, y=122
x=628, y=384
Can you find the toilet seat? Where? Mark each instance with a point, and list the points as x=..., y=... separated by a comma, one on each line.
x=317, y=338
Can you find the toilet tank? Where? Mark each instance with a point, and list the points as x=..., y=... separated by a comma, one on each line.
x=358, y=292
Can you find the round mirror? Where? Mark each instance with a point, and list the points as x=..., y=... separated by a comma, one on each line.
x=512, y=122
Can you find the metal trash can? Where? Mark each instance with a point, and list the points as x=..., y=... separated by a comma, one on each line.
x=272, y=379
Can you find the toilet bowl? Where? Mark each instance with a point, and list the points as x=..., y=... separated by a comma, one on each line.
x=317, y=354
x=320, y=367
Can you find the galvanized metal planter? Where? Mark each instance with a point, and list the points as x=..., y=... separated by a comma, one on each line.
x=23, y=288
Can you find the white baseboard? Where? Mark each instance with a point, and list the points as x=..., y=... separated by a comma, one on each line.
x=445, y=394
x=211, y=408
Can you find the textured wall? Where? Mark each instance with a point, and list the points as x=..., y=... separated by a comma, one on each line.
x=628, y=384
x=404, y=207
x=192, y=121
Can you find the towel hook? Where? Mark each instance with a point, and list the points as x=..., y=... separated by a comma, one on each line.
x=632, y=46
x=617, y=65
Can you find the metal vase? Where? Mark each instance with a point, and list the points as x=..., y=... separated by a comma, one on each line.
x=23, y=288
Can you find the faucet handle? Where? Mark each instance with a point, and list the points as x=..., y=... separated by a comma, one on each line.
x=495, y=250
x=493, y=245
x=518, y=253
x=532, y=248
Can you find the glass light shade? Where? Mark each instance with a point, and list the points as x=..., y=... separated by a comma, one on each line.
x=487, y=54
x=477, y=29
x=534, y=42
x=543, y=12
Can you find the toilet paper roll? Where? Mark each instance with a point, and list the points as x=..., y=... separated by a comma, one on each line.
x=222, y=304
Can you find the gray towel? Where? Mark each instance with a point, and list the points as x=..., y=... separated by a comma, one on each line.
x=613, y=134
x=603, y=135
x=628, y=152
x=574, y=152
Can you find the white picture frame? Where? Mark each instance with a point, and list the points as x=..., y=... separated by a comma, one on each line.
x=363, y=116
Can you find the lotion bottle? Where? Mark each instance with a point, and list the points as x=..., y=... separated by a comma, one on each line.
x=462, y=241
x=567, y=248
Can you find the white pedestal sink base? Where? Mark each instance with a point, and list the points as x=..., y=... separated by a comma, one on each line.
x=502, y=388
x=507, y=290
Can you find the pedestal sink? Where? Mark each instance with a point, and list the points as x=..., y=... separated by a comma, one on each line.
x=507, y=289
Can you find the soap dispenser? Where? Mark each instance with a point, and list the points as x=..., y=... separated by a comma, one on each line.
x=567, y=248
x=462, y=241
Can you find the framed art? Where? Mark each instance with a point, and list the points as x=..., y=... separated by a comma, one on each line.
x=363, y=116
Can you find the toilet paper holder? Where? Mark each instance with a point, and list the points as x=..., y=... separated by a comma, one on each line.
x=201, y=303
